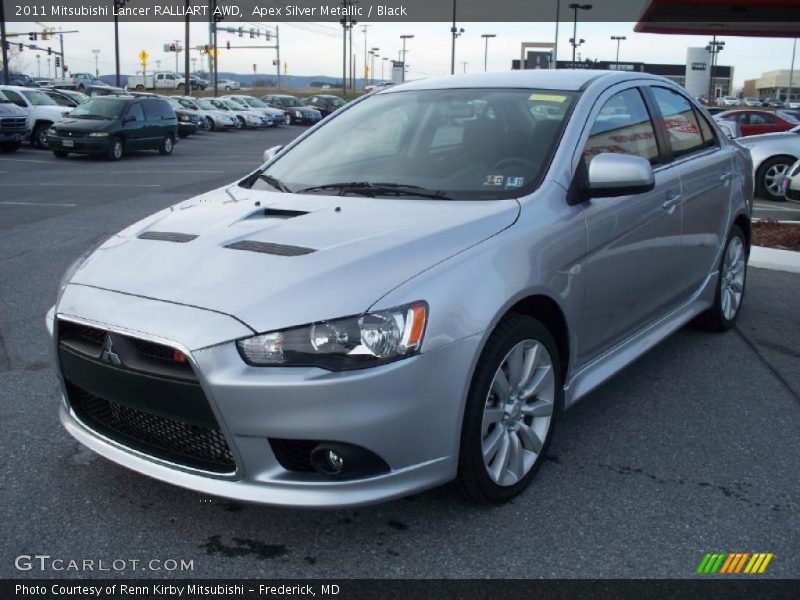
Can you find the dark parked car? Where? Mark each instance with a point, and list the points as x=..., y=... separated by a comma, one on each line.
x=189, y=121
x=110, y=126
x=325, y=104
x=19, y=79
x=13, y=125
x=296, y=111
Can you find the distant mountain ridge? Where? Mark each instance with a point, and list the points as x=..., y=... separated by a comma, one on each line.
x=287, y=81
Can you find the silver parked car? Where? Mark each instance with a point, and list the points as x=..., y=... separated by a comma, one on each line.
x=773, y=155
x=409, y=293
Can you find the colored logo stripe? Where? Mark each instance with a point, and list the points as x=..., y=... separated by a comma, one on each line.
x=734, y=562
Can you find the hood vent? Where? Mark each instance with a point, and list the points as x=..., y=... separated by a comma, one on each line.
x=167, y=236
x=267, y=248
x=276, y=213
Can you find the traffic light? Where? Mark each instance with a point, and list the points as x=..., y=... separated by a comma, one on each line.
x=252, y=33
x=32, y=36
x=49, y=51
x=21, y=47
x=241, y=32
x=58, y=61
x=228, y=44
x=267, y=34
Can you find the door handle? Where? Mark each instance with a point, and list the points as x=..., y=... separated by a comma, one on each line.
x=725, y=176
x=673, y=199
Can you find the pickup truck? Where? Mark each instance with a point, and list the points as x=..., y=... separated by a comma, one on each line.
x=41, y=111
x=78, y=81
x=13, y=125
x=157, y=81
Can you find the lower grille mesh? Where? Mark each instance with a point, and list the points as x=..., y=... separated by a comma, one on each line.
x=294, y=455
x=179, y=442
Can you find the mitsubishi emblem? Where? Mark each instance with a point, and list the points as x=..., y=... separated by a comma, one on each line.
x=109, y=355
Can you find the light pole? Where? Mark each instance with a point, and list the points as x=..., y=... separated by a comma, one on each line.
x=96, y=67
x=383, y=62
x=373, y=53
x=555, y=43
x=48, y=67
x=455, y=32
x=38, y=66
x=618, y=39
x=117, y=5
x=464, y=64
x=403, y=54
x=714, y=48
x=791, y=76
x=486, y=37
x=575, y=43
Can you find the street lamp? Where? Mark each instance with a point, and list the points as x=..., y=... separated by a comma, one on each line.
x=618, y=39
x=714, y=48
x=383, y=62
x=403, y=54
x=118, y=4
x=455, y=32
x=96, y=67
x=372, y=53
x=574, y=41
x=486, y=37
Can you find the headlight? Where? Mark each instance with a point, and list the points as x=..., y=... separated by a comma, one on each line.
x=51, y=131
x=183, y=118
x=297, y=113
x=350, y=343
x=98, y=134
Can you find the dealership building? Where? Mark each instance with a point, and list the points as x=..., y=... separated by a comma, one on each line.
x=694, y=75
x=773, y=84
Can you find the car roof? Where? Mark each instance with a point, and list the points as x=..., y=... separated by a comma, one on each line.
x=19, y=88
x=548, y=79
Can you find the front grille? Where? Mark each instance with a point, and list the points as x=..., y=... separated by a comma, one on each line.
x=68, y=133
x=12, y=123
x=294, y=455
x=172, y=440
x=70, y=330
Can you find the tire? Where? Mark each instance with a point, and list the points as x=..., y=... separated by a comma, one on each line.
x=227, y=88
x=81, y=87
x=492, y=416
x=39, y=136
x=240, y=123
x=210, y=125
x=10, y=146
x=287, y=119
x=115, y=149
x=769, y=175
x=167, y=145
x=60, y=154
x=732, y=276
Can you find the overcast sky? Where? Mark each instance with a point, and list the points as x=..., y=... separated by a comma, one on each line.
x=316, y=48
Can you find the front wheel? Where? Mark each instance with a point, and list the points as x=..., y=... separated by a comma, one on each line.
x=512, y=405
x=240, y=124
x=115, y=149
x=732, y=276
x=287, y=119
x=210, y=125
x=39, y=137
x=770, y=176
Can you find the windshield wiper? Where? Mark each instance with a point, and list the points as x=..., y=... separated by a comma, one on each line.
x=276, y=183
x=367, y=188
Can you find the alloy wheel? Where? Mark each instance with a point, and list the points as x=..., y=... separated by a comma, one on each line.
x=518, y=412
x=773, y=177
x=732, y=282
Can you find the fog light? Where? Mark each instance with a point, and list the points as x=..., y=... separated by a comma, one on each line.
x=335, y=461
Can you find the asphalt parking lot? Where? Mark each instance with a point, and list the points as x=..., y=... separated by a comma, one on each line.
x=692, y=449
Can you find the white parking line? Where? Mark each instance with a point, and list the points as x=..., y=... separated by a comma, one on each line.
x=37, y=204
x=24, y=160
x=776, y=208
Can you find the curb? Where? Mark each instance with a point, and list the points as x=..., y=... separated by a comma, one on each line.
x=774, y=260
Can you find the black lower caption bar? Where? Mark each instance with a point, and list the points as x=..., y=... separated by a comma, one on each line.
x=416, y=589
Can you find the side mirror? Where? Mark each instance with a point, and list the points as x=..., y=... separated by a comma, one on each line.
x=270, y=153
x=729, y=128
x=610, y=175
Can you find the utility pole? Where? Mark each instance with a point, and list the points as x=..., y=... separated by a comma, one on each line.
x=63, y=61
x=714, y=47
x=403, y=55
x=791, y=76
x=3, y=41
x=187, y=83
x=454, y=33
x=486, y=37
x=555, y=43
x=39, y=66
x=96, y=65
x=364, y=29
x=278, y=54
x=575, y=43
x=117, y=5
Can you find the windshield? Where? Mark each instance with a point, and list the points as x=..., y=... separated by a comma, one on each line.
x=255, y=102
x=100, y=108
x=39, y=98
x=78, y=96
x=291, y=101
x=334, y=102
x=467, y=143
x=206, y=104
x=188, y=104
x=233, y=105
x=3, y=97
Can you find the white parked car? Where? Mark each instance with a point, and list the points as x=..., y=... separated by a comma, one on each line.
x=752, y=102
x=773, y=155
x=41, y=111
x=229, y=84
x=245, y=117
x=729, y=101
x=215, y=118
x=790, y=184
x=274, y=115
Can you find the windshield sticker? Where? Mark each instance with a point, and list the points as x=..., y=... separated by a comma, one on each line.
x=547, y=98
x=515, y=182
x=495, y=180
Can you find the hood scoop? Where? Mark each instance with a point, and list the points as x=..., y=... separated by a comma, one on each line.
x=276, y=213
x=167, y=236
x=269, y=248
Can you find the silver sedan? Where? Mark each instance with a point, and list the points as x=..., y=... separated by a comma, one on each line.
x=410, y=292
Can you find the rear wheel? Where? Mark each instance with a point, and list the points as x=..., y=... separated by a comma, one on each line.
x=167, y=145
x=511, y=408
x=60, y=154
x=770, y=175
x=140, y=87
x=9, y=146
x=730, y=286
x=115, y=149
x=210, y=125
x=287, y=119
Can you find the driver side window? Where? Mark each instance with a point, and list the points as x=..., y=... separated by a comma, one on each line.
x=623, y=126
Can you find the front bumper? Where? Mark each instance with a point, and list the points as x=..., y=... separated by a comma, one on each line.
x=186, y=128
x=79, y=145
x=13, y=135
x=407, y=412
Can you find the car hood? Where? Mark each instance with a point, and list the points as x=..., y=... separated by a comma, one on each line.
x=7, y=109
x=362, y=249
x=84, y=124
x=54, y=112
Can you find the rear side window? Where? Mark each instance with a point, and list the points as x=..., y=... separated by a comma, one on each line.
x=623, y=126
x=157, y=110
x=135, y=111
x=680, y=120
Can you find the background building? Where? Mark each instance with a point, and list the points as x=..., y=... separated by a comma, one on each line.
x=773, y=84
